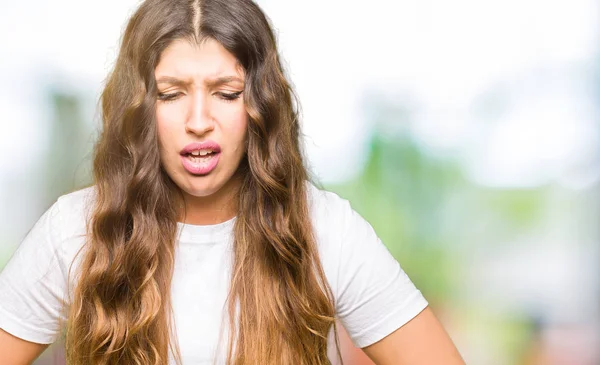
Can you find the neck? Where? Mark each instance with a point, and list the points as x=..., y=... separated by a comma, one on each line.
x=213, y=209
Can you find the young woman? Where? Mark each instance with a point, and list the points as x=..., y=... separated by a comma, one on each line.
x=202, y=223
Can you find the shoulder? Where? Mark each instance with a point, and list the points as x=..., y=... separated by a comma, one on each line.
x=34, y=284
x=326, y=204
x=68, y=221
x=332, y=220
x=77, y=201
x=334, y=216
x=331, y=217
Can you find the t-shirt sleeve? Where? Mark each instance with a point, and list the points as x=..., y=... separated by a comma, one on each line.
x=376, y=296
x=32, y=284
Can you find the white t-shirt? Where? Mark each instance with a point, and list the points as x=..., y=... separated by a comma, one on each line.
x=373, y=294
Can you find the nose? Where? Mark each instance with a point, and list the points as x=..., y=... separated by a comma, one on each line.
x=199, y=119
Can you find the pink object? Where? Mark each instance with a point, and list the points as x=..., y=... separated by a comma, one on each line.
x=196, y=146
x=200, y=168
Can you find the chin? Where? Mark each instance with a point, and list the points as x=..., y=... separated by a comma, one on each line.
x=201, y=191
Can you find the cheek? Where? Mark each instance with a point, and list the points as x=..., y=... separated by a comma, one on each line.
x=164, y=129
x=163, y=115
x=239, y=132
x=241, y=126
x=237, y=125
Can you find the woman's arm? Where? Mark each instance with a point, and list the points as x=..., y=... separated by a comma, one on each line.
x=15, y=351
x=421, y=341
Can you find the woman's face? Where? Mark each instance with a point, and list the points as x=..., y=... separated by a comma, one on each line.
x=200, y=109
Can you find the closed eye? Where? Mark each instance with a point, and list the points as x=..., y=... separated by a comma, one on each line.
x=224, y=96
x=229, y=96
x=168, y=97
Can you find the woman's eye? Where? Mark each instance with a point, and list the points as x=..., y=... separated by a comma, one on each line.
x=229, y=96
x=222, y=95
x=168, y=96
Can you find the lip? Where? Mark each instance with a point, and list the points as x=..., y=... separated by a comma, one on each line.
x=200, y=168
x=196, y=146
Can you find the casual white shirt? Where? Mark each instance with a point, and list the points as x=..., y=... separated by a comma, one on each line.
x=373, y=295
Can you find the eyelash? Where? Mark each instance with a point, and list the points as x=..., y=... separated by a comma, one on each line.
x=227, y=97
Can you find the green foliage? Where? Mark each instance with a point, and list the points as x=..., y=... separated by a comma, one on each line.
x=429, y=215
x=68, y=162
x=401, y=192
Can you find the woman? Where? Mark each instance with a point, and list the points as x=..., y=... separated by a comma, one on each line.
x=203, y=224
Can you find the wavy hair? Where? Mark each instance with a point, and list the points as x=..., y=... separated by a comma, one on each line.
x=121, y=311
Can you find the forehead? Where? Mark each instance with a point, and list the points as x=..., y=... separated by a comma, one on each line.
x=182, y=59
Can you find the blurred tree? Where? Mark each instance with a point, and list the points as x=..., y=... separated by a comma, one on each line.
x=67, y=164
x=434, y=220
x=401, y=193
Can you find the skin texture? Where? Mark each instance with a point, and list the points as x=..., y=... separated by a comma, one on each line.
x=421, y=341
x=198, y=110
x=15, y=351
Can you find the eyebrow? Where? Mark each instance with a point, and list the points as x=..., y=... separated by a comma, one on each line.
x=210, y=82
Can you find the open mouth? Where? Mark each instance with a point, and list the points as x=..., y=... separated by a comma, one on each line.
x=198, y=158
x=200, y=163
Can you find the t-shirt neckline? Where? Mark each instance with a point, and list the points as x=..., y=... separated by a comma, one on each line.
x=210, y=233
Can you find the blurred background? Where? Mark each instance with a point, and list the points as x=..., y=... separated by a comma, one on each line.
x=466, y=132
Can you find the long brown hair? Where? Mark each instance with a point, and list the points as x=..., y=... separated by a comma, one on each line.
x=121, y=311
